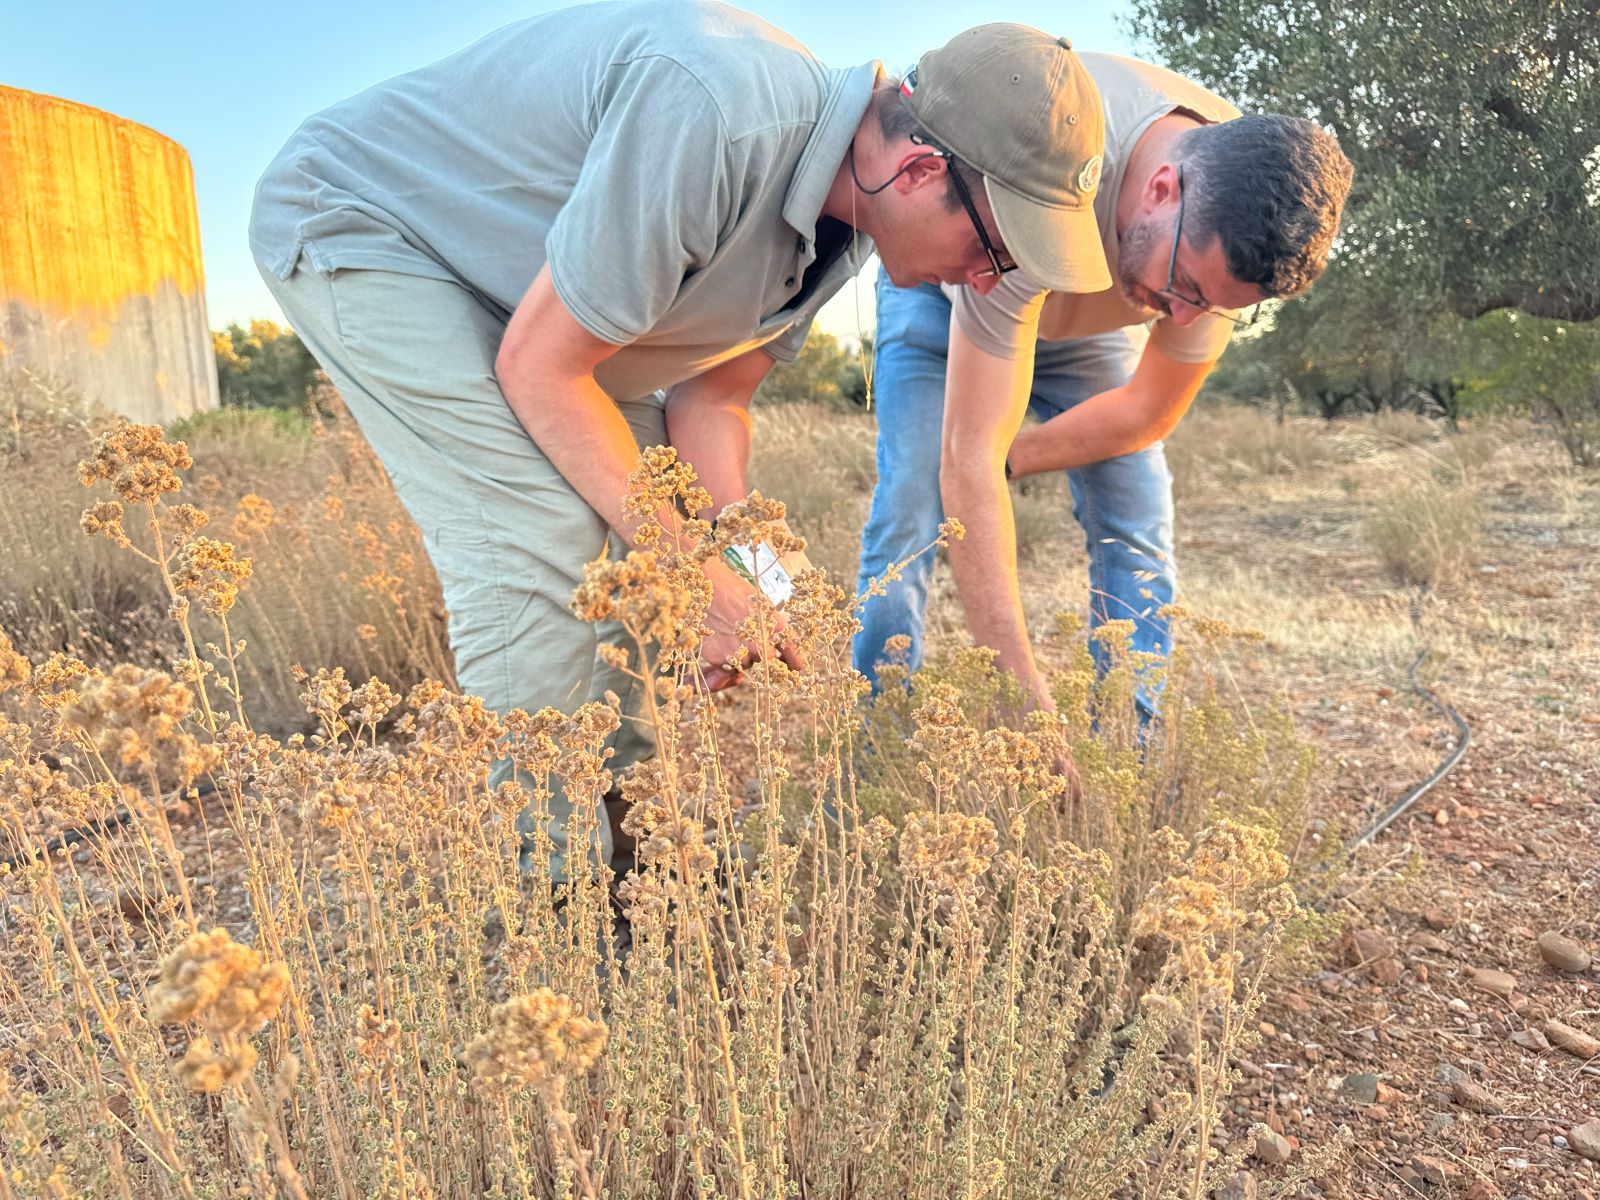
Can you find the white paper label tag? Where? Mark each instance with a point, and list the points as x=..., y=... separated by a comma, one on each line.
x=762, y=568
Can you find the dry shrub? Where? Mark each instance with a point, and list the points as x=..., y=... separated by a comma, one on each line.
x=1041, y=505
x=1426, y=530
x=1401, y=427
x=967, y=988
x=822, y=463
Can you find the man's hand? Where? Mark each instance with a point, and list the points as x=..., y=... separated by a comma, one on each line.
x=1123, y=420
x=732, y=600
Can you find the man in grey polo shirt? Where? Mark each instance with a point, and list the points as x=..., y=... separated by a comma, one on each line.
x=597, y=230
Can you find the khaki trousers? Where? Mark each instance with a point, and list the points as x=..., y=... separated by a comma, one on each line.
x=413, y=359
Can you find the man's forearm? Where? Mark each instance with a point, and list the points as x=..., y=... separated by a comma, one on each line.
x=708, y=422
x=582, y=432
x=984, y=563
x=1121, y=420
x=1104, y=426
x=712, y=434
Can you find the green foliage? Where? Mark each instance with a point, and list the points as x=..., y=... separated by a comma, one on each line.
x=265, y=366
x=1347, y=347
x=826, y=372
x=1472, y=127
x=1548, y=368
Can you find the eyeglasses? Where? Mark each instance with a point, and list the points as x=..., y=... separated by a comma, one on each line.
x=1000, y=263
x=1195, y=301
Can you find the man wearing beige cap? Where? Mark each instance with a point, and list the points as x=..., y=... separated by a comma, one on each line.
x=597, y=230
x=1202, y=213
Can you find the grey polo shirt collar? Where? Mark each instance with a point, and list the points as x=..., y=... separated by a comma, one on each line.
x=819, y=163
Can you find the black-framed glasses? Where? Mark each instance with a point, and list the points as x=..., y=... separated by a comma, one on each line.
x=1172, y=269
x=1000, y=263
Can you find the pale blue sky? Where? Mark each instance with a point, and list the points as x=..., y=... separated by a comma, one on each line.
x=230, y=85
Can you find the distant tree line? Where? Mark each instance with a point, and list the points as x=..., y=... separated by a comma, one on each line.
x=267, y=366
x=264, y=366
x=826, y=371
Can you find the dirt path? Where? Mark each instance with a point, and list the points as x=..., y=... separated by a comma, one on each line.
x=1438, y=989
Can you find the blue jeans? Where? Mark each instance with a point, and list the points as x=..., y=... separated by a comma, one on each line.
x=1123, y=504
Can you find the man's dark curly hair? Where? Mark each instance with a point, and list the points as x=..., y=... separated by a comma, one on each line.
x=1272, y=188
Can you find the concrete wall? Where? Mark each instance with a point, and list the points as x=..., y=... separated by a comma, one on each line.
x=101, y=286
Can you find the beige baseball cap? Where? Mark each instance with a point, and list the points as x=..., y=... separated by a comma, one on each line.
x=1017, y=104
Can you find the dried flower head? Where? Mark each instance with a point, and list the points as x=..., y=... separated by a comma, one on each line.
x=188, y=520
x=652, y=603
x=15, y=669
x=660, y=484
x=132, y=715
x=255, y=516
x=105, y=520
x=537, y=1040
x=1182, y=909
x=947, y=851
x=754, y=520
x=207, y=1068
x=1235, y=856
x=531, y=740
x=376, y=1037
x=226, y=987
x=137, y=460
x=207, y=568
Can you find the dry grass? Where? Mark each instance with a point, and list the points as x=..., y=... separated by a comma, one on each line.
x=340, y=576
x=821, y=462
x=1217, y=446
x=1426, y=530
x=906, y=979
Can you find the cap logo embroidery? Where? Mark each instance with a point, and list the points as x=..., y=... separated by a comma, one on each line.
x=908, y=84
x=1089, y=177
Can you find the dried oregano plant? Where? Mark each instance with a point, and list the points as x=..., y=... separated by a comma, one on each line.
x=880, y=955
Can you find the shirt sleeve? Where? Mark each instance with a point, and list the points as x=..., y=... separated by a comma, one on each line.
x=1201, y=341
x=650, y=201
x=786, y=346
x=1004, y=323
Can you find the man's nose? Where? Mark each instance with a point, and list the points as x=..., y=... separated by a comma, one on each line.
x=1183, y=313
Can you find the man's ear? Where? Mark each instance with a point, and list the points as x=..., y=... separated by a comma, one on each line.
x=1160, y=188
x=921, y=167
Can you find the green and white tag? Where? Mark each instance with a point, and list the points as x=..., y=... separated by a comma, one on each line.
x=761, y=567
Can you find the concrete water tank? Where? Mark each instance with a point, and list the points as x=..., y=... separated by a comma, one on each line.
x=101, y=288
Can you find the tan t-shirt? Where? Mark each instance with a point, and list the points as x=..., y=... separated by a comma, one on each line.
x=1135, y=95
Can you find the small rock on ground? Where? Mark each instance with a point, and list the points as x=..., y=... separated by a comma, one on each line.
x=1531, y=1039
x=1474, y=1097
x=1563, y=953
x=1585, y=1140
x=1272, y=1147
x=1362, y=1088
x=1573, y=1041
x=1497, y=982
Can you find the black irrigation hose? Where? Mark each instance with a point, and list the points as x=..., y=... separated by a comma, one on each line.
x=1448, y=764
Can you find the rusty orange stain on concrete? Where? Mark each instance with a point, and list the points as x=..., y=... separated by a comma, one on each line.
x=95, y=209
